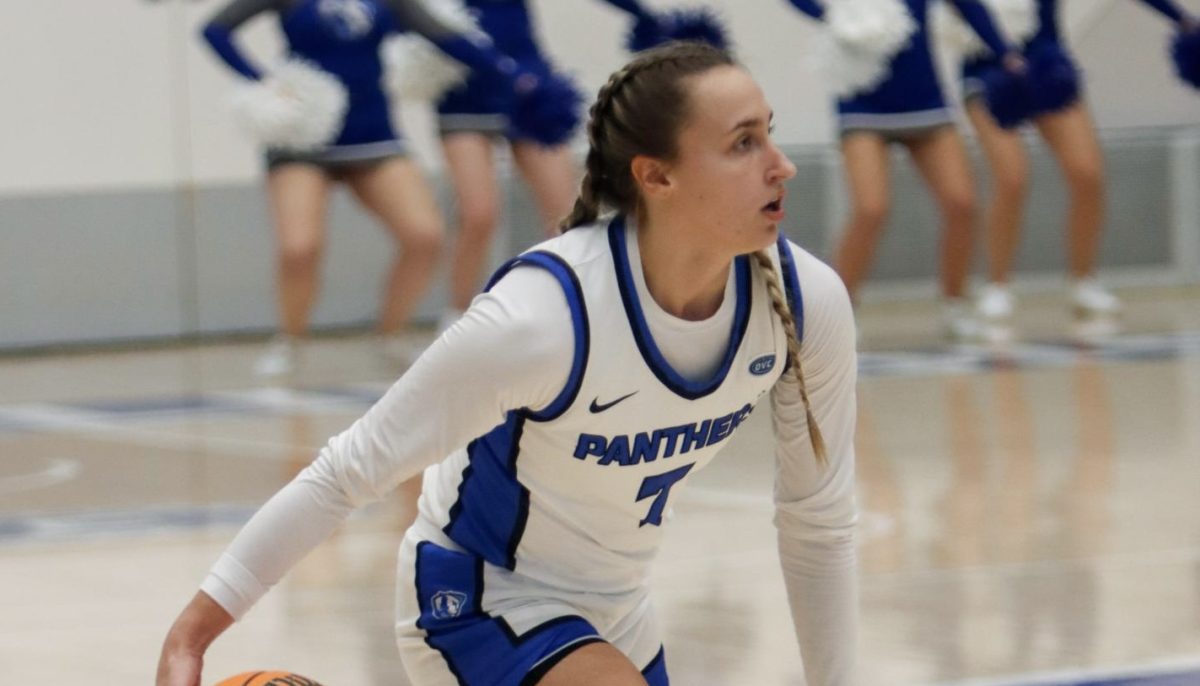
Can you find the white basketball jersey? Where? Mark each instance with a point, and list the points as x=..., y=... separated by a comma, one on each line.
x=576, y=494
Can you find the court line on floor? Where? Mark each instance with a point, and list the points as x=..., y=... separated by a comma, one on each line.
x=59, y=471
x=932, y=362
x=52, y=418
x=1181, y=672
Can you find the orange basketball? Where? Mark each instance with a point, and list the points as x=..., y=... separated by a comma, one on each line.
x=267, y=678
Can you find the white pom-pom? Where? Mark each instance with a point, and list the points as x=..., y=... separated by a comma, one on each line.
x=298, y=106
x=861, y=38
x=1017, y=20
x=415, y=69
x=880, y=26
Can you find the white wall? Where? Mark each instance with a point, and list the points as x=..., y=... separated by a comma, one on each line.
x=86, y=90
x=122, y=94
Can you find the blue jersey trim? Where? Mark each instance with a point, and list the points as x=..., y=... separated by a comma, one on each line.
x=791, y=284
x=655, y=673
x=478, y=648
x=579, y=323
x=492, y=508
x=641, y=332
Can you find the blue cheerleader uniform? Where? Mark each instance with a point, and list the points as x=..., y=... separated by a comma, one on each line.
x=909, y=102
x=342, y=37
x=1047, y=37
x=481, y=105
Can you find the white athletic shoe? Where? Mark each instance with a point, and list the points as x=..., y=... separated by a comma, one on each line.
x=959, y=321
x=1091, y=299
x=996, y=302
x=281, y=357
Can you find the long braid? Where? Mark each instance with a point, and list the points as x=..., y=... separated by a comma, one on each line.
x=591, y=188
x=779, y=304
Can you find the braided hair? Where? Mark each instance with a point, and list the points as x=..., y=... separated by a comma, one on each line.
x=640, y=111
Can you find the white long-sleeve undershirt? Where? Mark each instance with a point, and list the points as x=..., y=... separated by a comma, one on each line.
x=513, y=349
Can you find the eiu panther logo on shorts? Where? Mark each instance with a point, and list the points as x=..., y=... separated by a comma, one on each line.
x=448, y=604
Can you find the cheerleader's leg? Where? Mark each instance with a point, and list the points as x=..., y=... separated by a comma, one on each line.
x=865, y=159
x=472, y=169
x=553, y=178
x=1008, y=165
x=395, y=191
x=299, y=197
x=1072, y=139
x=941, y=158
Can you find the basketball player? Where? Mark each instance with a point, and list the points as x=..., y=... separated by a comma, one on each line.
x=558, y=420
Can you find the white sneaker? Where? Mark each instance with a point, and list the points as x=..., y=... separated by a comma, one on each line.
x=959, y=321
x=281, y=357
x=995, y=302
x=1090, y=299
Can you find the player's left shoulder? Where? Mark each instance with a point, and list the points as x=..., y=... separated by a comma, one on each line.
x=818, y=281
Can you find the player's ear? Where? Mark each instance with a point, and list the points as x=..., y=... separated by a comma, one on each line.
x=651, y=175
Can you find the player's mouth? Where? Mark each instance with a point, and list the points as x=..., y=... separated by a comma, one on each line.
x=774, y=209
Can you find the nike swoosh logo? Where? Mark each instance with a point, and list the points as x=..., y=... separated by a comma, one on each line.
x=597, y=407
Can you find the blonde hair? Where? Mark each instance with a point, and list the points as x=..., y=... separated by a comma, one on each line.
x=779, y=304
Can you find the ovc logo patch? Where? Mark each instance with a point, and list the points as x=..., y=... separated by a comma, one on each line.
x=762, y=364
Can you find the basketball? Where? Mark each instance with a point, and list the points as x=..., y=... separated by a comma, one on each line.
x=267, y=678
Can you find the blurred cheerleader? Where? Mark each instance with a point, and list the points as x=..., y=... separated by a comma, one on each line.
x=323, y=117
x=474, y=114
x=888, y=92
x=1061, y=118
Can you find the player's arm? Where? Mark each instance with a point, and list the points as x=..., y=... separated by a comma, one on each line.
x=815, y=509
x=218, y=33
x=512, y=349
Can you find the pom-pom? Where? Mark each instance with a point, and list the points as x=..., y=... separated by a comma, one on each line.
x=1185, y=52
x=699, y=24
x=1053, y=79
x=298, y=106
x=415, y=69
x=1009, y=96
x=550, y=112
x=1017, y=19
x=882, y=27
x=862, y=37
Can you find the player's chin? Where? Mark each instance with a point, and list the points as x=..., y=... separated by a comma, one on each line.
x=764, y=236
